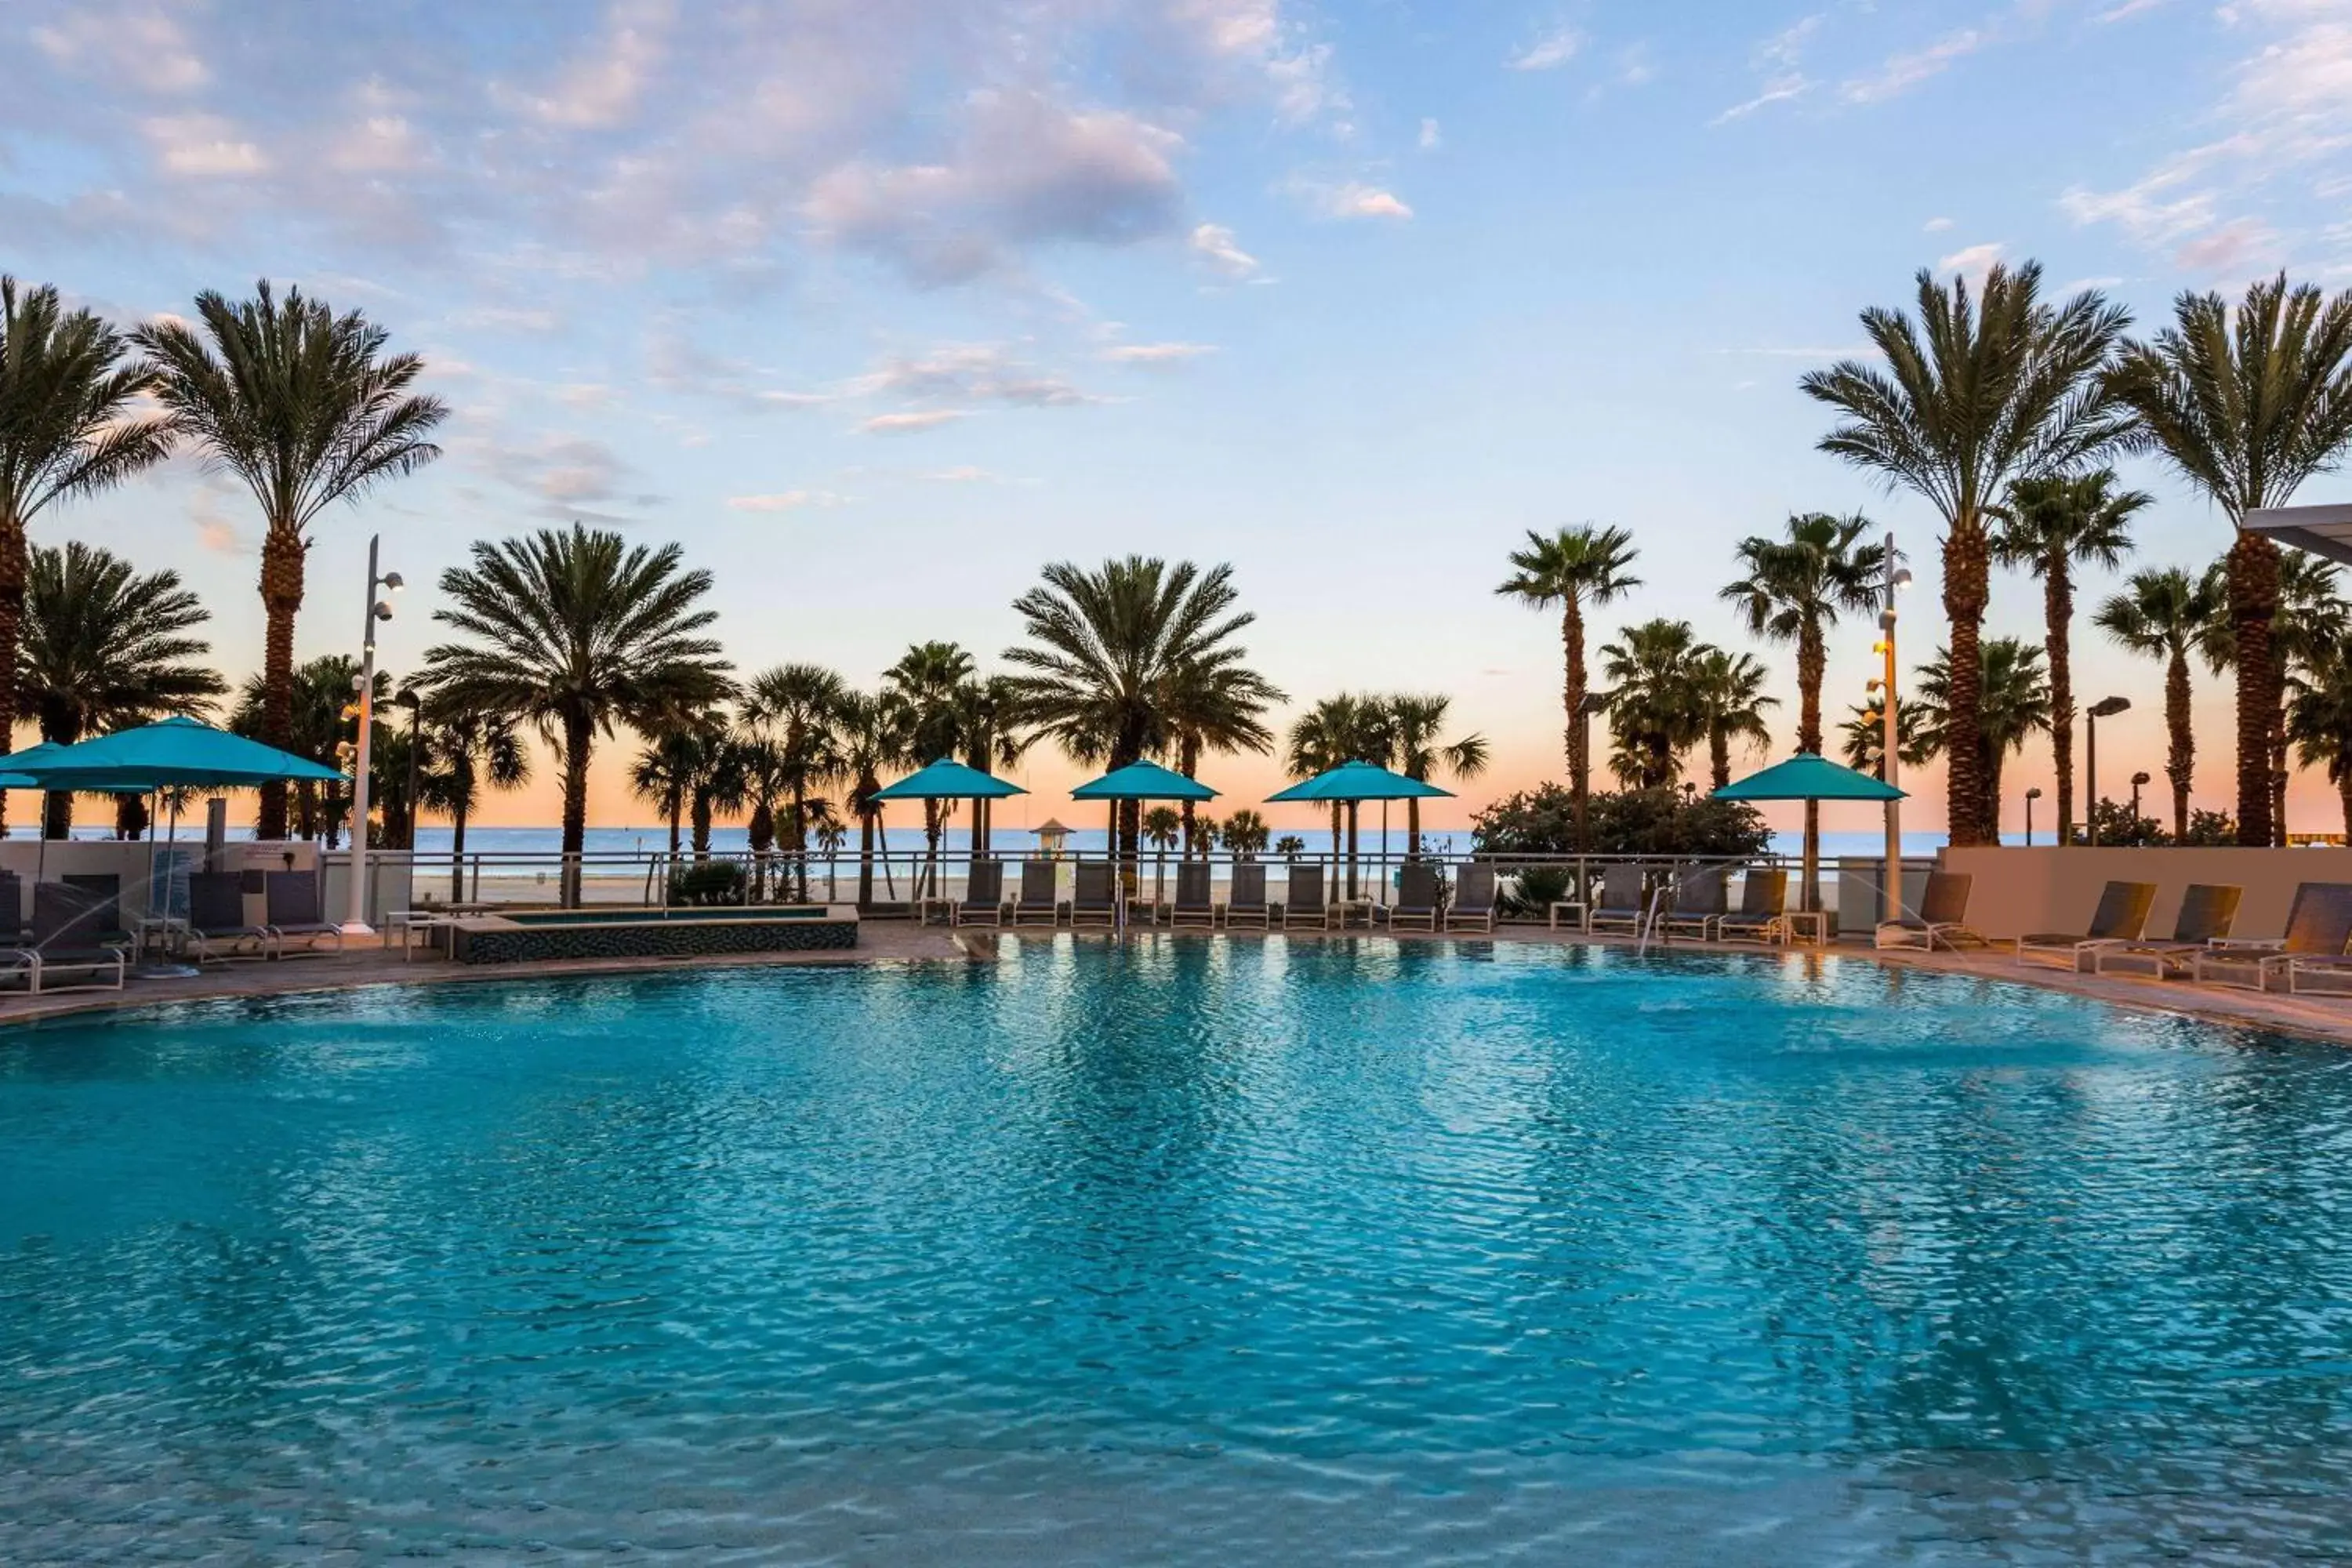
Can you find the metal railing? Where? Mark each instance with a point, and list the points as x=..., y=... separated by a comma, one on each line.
x=897, y=881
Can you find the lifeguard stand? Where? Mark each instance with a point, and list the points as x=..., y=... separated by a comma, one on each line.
x=1053, y=839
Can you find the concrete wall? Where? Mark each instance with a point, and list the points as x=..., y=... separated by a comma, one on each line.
x=2021, y=890
x=134, y=863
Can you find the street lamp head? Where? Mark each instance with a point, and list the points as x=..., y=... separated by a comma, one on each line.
x=2138, y=779
x=408, y=700
x=2033, y=794
x=2110, y=707
x=1902, y=577
x=392, y=581
x=382, y=611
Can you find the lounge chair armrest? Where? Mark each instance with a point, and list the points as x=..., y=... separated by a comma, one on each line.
x=2244, y=943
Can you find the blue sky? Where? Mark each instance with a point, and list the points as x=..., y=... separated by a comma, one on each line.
x=876, y=305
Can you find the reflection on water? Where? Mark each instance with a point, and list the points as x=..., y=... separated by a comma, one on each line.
x=1193, y=1251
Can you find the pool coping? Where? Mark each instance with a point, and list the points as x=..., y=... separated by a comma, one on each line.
x=2325, y=1019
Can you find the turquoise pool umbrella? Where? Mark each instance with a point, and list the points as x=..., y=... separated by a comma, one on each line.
x=1138, y=782
x=1354, y=781
x=1350, y=784
x=1805, y=776
x=1143, y=780
x=948, y=779
x=158, y=756
x=1811, y=777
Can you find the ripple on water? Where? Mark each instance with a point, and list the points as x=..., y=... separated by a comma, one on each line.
x=1197, y=1251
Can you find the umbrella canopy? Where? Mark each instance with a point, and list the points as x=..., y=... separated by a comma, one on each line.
x=1143, y=780
x=948, y=779
x=1808, y=776
x=155, y=756
x=1359, y=781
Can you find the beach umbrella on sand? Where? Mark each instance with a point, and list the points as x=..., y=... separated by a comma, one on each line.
x=1351, y=784
x=948, y=779
x=1809, y=776
x=1140, y=782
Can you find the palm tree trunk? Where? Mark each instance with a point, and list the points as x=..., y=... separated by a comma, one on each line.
x=281, y=596
x=2344, y=794
x=1967, y=572
x=2253, y=568
x=12, y=632
x=701, y=820
x=1813, y=664
x=2181, y=761
x=457, y=840
x=866, y=856
x=1571, y=696
x=677, y=825
x=798, y=836
x=57, y=814
x=579, y=737
x=1411, y=829
x=2057, y=617
x=2278, y=750
x=1188, y=763
x=1718, y=755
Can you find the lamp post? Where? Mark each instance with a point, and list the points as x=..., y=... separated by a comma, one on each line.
x=2137, y=780
x=355, y=915
x=2030, y=796
x=1890, y=903
x=2107, y=708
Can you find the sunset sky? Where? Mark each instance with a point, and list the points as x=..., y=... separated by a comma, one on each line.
x=877, y=305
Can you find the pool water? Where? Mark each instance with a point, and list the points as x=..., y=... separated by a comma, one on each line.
x=1199, y=1251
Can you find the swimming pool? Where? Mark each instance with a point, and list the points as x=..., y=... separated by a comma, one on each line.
x=1199, y=1251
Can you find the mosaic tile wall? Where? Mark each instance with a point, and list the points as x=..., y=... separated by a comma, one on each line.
x=649, y=939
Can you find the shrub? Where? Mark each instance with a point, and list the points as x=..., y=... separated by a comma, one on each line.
x=1542, y=821
x=1534, y=889
x=707, y=883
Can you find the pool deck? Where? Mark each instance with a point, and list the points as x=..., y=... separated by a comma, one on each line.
x=2320, y=1017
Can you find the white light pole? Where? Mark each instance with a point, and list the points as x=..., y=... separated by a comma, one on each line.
x=356, y=917
x=1890, y=901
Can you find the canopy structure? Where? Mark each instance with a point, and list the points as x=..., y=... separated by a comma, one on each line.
x=1359, y=781
x=2322, y=530
x=1809, y=776
x=1143, y=780
x=948, y=779
x=158, y=756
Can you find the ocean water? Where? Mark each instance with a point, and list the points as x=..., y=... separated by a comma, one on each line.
x=1196, y=1251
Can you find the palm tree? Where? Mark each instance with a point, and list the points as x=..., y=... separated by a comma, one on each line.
x=66, y=389
x=577, y=632
x=1655, y=715
x=2246, y=411
x=795, y=704
x=1214, y=705
x=988, y=715
x=663, y=775
x=1245, y=833
x=305, y=407
x=930, y=679
x=1335, y=730
x=1162, y=827
x=1575, y=568
x=1976, y=393
x=2049, y=524
x=872, y=733
x=1864, y=735
x=323, y=716
x=1729, y=690
x=2166, y=616
x=1412, y=725
x=467, y=750
x=104, y=647
x=1105, y=650
x=2307, y=617
x=2011, y=705
x=2319, y=718
x=1793, y=589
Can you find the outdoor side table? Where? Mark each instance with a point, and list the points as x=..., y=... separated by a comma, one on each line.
x=1814, y=922
x=1576, y=906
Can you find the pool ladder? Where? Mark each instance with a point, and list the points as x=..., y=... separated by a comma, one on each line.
x=1650, y=923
